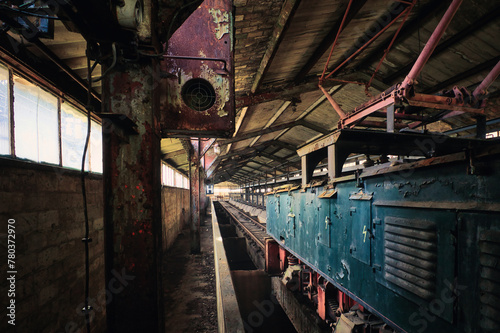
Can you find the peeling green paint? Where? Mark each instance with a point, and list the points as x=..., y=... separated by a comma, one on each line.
x=221, y=87
x=222, y=21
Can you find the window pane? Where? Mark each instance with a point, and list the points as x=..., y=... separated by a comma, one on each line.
x=73, y=135
x=48, y=128
x=4, y=111
x=25, y=119
x=96, y=148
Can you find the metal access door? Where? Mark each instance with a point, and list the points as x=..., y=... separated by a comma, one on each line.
x=360, y=219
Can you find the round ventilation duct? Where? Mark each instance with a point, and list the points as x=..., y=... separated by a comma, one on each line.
x=198, y=94
x=129, y=14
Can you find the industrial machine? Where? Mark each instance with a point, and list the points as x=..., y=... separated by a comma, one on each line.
x=409, y=241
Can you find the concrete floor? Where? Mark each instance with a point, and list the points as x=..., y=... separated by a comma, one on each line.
x=189, y=285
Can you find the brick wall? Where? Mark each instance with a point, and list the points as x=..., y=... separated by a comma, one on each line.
x=47, y=205
x=175, y=213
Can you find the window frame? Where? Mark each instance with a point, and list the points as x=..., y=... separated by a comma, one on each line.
x=60, y=99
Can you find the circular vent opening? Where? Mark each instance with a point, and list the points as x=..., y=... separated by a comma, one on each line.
x=198, y=94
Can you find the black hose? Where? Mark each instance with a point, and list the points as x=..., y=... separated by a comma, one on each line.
x=86, y=240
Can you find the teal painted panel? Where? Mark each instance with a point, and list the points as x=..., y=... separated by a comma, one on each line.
x=360, y=218
x=398, y=218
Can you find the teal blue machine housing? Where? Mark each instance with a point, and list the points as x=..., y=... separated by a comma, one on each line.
x=416, y=242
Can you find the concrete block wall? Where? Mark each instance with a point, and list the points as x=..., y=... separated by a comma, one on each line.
x=46, y=203
x=175, y=213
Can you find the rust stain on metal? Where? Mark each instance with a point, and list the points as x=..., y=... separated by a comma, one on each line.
x=206, y=34
x=132, y=188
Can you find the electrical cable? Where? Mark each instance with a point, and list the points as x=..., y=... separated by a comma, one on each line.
x=113, y=48
x=86, y=240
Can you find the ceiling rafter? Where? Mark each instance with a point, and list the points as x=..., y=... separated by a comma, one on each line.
x=314, y=127
x=464, y=75
x=409, y=28
x=443, y=46
x=253, y=134
x=326, y=43
x=237, y=127
x=286, y=15
x=271, y=121
x=391, y=16
x=173, y=154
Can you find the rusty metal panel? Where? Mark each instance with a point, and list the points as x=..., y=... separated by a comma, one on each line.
x=198, y=76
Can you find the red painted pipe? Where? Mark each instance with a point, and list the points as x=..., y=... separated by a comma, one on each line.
x=337, y=107
x=481, y=89
x=335, y=41
x=430, y=45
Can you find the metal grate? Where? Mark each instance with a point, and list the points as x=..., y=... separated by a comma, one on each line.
x=410, y=255
x=489, y=282
x=198, y=94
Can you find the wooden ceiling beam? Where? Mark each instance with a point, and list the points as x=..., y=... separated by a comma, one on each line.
x=314, y=127
x=287, y=12
x=241, y=117
x=253, y=134
x=283, y=92
x=173, y=154
x=462, y=76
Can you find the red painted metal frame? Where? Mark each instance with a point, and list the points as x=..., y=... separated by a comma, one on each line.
x=366, y=44
x=272, y=257
x=408, y=10
x=489, y=79
x=404, y=92
x=442, y=103
x=335, y=42
x=330, y=99
x=364, y=112
x=321, y=302
x=283, y=259
x=429, y=47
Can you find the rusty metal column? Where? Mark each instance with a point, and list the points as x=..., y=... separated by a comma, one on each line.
x=194, y=189
x=132, y=206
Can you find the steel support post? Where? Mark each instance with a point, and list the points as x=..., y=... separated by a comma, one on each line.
x=306, y=170
x=203, y=198
x=333, y=171
x=481, y=127
x=132, y=201
x=194, y=189
x=390, y=118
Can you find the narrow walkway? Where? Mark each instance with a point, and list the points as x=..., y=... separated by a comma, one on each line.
x=189, y=285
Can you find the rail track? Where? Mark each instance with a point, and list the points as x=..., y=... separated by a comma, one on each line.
x=253, y=228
